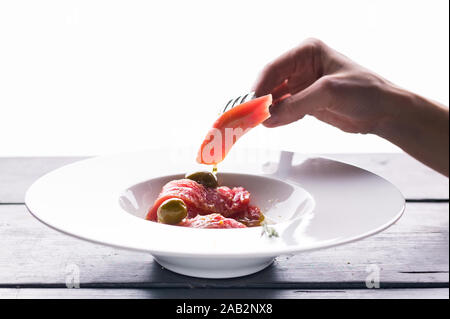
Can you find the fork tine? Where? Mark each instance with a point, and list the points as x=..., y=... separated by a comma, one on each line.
x=226, y=106
x=250, y=96
x=235, y=101
x=239, y=100
x=243, y=98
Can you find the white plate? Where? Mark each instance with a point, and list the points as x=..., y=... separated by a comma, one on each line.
x=316, y=202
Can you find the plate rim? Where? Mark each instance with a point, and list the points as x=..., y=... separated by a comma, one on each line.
x=269, y=253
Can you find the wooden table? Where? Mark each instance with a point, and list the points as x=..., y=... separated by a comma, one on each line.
x=412, y=255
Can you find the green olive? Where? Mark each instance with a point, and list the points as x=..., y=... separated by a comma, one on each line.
x=172, y=211
x=207, y=179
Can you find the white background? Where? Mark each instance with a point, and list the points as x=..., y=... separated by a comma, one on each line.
x=96, y=77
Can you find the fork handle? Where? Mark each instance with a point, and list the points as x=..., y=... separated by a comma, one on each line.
x=280, y=92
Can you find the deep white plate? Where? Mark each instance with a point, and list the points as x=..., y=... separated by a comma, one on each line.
x=315, y=203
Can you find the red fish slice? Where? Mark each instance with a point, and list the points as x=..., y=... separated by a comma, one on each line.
x=229, y=202
x=237, y=120
x=230, y=126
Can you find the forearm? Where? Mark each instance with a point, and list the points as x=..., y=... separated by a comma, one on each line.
x=419, y=126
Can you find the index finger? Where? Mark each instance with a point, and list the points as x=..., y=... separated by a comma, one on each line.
x=274, y=74
x=304, y=61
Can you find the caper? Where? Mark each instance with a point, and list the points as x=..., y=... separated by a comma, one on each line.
x=172, y=211
x=207, y=179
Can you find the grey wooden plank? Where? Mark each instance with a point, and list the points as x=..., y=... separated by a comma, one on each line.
x=415, y=180
x=413, y=253
x=18, y=173
x=156, y=293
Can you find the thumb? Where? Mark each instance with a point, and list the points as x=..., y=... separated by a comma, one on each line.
x=306, y=102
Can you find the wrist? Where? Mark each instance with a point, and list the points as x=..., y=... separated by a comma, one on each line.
x=418, y=126
x=399, y=111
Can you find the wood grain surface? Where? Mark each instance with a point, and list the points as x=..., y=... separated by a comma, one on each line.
x=412, y=256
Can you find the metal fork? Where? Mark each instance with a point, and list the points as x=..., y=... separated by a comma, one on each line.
x=239, y=100
x=277, y=94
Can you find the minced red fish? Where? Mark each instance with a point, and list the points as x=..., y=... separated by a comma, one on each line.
x=232, y=203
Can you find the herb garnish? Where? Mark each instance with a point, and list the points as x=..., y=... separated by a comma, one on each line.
x=269, y=231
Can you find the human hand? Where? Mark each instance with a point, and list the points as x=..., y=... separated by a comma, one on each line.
x=327, y=85
x=319, y=81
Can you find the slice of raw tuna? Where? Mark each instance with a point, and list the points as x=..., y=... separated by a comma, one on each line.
x=211, y=221
x=230, y=126
x=229, y=202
